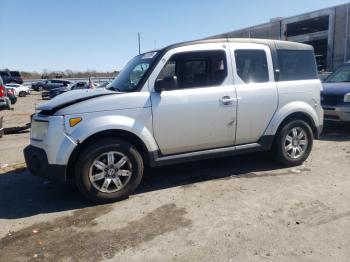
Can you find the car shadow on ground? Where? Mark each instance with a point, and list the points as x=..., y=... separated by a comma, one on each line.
x=336, y=131
x=211, y=169
x=23, y=195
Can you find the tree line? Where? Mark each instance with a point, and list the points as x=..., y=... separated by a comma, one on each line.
x=66, y=74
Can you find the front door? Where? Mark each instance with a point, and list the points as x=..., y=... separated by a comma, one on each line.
x=200, y=113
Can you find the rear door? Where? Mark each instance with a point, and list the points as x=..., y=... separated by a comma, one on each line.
x=256, y=90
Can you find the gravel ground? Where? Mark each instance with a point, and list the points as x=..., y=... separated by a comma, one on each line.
x=11, y=146
x=243, y=208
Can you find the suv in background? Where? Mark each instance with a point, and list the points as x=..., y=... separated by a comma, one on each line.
x=49, y=84
x=186, y=102
x=335, y=97
x=60, y=90
x=11, y=77
x=5, y=102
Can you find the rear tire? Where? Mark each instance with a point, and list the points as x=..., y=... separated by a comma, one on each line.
x=293, y=143
x=108, y=170
x=22, y=94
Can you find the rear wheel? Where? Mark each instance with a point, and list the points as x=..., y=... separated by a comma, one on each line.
x=22, y=94
x=109, y=170
x=293, y=143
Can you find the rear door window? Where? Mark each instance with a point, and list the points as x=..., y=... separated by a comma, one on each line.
x=252, y=65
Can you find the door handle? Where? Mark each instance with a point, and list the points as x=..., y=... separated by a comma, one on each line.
x=227, y=100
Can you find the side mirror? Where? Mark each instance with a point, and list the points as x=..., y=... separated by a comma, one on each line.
x=165, y=84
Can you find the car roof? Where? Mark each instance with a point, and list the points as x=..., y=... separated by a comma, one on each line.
x=278, y=44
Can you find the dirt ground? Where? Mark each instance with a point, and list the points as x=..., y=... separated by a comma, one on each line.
x=244, y=208
x=11, y=146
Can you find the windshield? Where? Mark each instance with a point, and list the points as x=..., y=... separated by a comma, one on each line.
x=129, y=78
x=341, y=75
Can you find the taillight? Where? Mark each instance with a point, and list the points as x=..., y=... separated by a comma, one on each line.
x=2, y=91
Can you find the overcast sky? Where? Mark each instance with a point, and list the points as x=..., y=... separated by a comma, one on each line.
x=102, y=34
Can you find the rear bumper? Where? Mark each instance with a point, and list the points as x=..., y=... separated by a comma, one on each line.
x=337, y=113
x=38, y=165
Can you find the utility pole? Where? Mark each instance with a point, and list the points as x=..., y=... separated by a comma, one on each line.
x=139, y=41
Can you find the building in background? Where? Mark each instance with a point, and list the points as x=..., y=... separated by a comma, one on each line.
x=327, y=30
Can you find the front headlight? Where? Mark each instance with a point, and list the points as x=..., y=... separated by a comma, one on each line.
x=347, y=98
x=38, y=130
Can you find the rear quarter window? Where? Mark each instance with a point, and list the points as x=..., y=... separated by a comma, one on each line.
x=296, y=65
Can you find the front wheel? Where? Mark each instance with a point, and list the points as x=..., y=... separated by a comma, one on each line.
x=108, y=170
x=293, y=143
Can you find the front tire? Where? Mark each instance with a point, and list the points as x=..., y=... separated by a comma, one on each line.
x=293, y=143
x=108, y=170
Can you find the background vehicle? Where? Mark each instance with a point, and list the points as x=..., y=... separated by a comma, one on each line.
x=5, y=102
x=2, y=93
x=11, y=77
x=60, y=90
x=335, y=97
x=11, y=94
x=186, y=102
x=79, y=85
x=49, y=84
x=103, y=85
x=20, y=90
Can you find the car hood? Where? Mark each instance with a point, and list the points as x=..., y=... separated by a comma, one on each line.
x=73, y=97
x=336, y=88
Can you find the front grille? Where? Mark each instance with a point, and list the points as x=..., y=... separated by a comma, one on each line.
x=331, y=100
